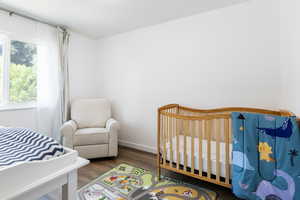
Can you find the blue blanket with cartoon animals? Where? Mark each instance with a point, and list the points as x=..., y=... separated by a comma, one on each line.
x=265, y=157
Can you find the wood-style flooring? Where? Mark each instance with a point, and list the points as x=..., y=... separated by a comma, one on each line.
x=144, y=160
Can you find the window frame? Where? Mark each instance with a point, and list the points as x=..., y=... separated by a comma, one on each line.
x=6, y=53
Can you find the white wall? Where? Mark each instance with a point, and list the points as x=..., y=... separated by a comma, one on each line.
x=82, y=67
x=290, y=53
x=226, y=57
x=18, y=118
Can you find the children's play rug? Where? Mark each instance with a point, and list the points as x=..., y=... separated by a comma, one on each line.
x=128, y=182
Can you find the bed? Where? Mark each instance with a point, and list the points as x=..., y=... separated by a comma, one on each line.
x=32, y=165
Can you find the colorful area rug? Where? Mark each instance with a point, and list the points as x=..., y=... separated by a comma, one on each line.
x=128, y=182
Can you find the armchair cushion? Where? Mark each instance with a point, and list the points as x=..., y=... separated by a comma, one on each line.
x=90, y=113
x=91, y=136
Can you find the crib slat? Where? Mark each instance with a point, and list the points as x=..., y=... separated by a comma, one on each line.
x=177, y=143
x=164, y=140
x=159, y=132
x=208, y=133
x=227, y=168
x=168, y=126
x=230, y=132
x=218, y=133
x=186, y=129
x=170, y=140
x=201, y=131
x=193, y=146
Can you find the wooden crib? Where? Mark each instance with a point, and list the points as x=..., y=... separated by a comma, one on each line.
x=204, y=141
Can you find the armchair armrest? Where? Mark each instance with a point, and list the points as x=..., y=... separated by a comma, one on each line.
x=113, y=127
x=67, y=131
x=112, y=124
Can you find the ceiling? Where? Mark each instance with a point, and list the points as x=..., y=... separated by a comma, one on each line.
x=99, y=18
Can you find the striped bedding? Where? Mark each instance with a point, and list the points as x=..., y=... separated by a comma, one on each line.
x=22, y=145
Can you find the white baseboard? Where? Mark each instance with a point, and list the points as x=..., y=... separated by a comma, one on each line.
x=141, y=147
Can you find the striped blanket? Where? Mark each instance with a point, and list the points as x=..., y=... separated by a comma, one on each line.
x=22, y=145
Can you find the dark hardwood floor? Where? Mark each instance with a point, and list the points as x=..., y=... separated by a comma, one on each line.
x=144, y=160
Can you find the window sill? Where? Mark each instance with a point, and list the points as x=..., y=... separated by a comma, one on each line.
x=15, y=107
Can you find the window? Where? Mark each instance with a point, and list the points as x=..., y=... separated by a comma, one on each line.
x=18, y=72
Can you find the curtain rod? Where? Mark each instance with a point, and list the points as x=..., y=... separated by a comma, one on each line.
x=11, y=13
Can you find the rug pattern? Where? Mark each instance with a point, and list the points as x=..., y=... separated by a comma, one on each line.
x=128, y=182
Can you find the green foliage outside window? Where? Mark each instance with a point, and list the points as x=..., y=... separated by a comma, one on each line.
x=22, y=73
x=22, y=53
x=22, y=83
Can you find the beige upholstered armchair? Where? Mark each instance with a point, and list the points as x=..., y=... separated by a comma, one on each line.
x=91, y=130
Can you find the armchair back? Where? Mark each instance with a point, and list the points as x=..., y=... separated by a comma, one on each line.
x=90, y=113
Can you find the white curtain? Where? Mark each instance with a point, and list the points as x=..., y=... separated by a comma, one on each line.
x=53, y=85
x=64, y=39
x=48, y=84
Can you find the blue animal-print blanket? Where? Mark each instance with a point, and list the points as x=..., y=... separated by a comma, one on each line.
x=266, y=162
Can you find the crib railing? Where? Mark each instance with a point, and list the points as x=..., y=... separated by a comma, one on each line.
x=208, y=130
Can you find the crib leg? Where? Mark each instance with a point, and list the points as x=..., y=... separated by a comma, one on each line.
x=158, y=167
x=158, y=173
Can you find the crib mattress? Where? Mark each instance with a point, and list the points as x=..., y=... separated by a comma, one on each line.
x=196, y=154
